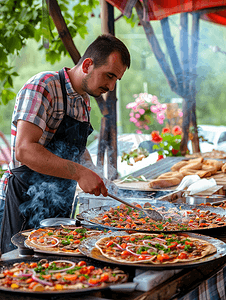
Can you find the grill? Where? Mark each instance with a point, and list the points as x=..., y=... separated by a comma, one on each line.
x=87, y=201
x=158, y=168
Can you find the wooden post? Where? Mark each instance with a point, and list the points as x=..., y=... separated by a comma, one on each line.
x=108, y=130
x=194, y=60
x=189, y=105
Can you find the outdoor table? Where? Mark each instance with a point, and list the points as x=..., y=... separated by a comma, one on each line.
x=189, y=284
x=206, y=281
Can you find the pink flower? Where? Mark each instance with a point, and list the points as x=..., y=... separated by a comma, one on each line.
x=141, y=111
x=139, y=131
x=154, y=100
x=129, y=105
x=133, y=120
x=137, y=116
x=132, y=105
x=146, y=127
x=154, y=109
x=180, y=113
x=131, y=114
x=161, y=115
x=160, y=121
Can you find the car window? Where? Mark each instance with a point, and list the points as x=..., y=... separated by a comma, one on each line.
x=222, y=138
x=208, y=135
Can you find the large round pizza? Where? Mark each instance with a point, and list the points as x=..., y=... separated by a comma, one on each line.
x=57, y=276
x=176, y=218
x=59, y=240
x=154, y=248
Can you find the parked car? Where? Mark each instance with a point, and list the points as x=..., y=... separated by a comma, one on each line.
x=126, y=143
x=211, y=137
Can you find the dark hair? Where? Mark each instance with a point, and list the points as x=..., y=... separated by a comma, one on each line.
x=102, y=47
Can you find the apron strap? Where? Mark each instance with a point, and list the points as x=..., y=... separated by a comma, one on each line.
x=62, y=83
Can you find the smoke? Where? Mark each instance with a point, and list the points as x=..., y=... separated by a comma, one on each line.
x=50, y=198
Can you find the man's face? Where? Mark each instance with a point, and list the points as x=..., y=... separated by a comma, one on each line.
x=102, y=79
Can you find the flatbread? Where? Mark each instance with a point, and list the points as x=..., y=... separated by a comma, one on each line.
x=154, y=248
x=64, y=239
x=57, y=276
x=175, y=218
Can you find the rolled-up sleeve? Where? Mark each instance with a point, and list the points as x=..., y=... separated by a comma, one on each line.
x=32, y=104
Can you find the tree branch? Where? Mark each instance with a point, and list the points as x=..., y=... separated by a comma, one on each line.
x=156, y=48
x=173, y=55
x=55, y=13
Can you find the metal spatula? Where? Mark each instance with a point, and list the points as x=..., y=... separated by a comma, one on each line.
x=151, y=213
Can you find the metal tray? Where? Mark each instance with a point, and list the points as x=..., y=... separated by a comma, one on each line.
x=57, y=221
x=87, y=247
x=195, y=200
x=93, y=212
x=89, y=261
x=19, y=240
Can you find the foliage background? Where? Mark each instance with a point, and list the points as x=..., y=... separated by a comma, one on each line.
x=211, y=83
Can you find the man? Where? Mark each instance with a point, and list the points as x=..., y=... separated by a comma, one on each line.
x=50, y=126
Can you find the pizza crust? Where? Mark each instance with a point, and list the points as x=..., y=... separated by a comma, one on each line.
x=207, y=249
x=31, y=240
x=44, y=248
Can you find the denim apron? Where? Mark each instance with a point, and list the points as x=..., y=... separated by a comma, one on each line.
x=31, y=196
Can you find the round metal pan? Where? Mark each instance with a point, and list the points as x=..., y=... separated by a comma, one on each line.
x=89, y=261
x=19, y=241
x=87, y=247
x=90, y=214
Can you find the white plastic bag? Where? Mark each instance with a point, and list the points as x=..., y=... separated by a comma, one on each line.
x=187, y=181
x=201, y=185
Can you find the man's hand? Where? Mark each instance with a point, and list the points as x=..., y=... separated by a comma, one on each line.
x=91, y=183
x=35, y=156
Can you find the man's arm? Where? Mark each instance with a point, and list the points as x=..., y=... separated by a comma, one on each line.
x=86, y=160
x=35, y=156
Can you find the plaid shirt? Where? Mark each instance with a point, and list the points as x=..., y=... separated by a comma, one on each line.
x=40, y=101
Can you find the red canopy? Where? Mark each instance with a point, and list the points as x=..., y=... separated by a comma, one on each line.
x=159, y=9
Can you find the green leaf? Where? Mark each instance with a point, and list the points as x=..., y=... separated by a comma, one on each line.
x=3, y=55
x=52, y=56
x=14, y=42
x=28, y=31
x=7, y=95
x=21, y=20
